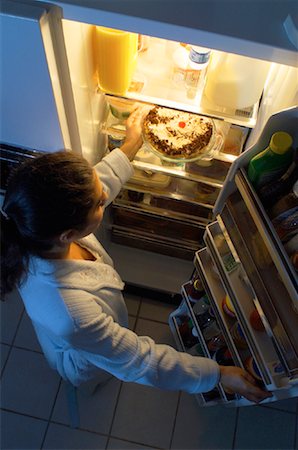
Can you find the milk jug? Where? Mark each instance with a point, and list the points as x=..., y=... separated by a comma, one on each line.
x=235, y=81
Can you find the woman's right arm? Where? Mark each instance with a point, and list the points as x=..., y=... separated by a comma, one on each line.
x=115, y=169
x=139, y=359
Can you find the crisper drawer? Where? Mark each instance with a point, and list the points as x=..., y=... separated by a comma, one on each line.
x=164, y=206
x=155, y=233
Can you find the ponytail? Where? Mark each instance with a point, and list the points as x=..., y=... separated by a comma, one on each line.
x=45, y=196
x=14, y=256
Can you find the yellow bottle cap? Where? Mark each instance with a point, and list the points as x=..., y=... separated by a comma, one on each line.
x=229, y=304
x=280, y=142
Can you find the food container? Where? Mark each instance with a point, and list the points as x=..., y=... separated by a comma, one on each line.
x=150, y=179
x=120, y=108
x=208, y=152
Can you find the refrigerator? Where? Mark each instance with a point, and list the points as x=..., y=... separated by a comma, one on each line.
x=194, y=221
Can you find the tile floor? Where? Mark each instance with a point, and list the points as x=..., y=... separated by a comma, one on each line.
x=122, y=415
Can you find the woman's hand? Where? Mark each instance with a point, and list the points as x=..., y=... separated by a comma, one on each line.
x=134, y=123
x=237, y=380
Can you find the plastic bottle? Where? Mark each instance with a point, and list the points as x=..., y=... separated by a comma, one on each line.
x=196, y=290
x=287, y=204
x=271, y=192
x=198, y=60
x=235, y=81
x=180, y=63
x=272, y=162
x=285, y=215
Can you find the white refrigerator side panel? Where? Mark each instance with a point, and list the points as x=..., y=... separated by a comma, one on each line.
x=29, y=116
x=37, y=108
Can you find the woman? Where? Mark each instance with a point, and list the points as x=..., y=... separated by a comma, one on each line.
x=68, y=284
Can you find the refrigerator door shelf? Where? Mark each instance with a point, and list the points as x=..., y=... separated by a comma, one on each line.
x=268, y=289
x=260, y=344
x=202, y=340
x=216, y=293
x=268, y=234
x=217, y=395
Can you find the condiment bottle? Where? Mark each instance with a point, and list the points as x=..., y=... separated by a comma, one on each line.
x=272, y=162
x=271, y=192
x=195, y=290
x=198, y=60
x=286, y=205
x=285, y=215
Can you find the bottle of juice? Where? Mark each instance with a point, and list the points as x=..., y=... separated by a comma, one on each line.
x=272, y=162
x=116, y=57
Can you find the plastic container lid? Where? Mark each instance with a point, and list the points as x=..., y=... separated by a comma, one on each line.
x=280, y=142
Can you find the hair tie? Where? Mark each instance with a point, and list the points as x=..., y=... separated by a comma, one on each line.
x=4, y=214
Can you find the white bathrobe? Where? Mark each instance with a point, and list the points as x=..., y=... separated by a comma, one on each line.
x=80, y=318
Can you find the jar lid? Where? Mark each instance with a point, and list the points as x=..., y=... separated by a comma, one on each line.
x=199, y=55
x=280, y=142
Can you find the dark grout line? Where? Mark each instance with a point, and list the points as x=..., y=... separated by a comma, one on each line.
x=28, y=349
x=51, y=413
x=87, y=430
x=23, y=414
x=276, y=408
x=175, y=419
x=114, y=413
x=235, y=428
x=12, y=341
x=136, y=443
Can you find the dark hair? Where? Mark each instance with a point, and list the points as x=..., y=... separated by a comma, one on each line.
x=45, y=196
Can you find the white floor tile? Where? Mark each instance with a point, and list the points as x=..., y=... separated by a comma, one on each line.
x=159, y=332
x=155, y=310
x=26, y=337
x=4, y=353
x=21, y=432
x=96, y=411
x=198, y=427
x=265, y=428
x=145, y=415
x=62, y=437
x=29, y=386
x=10, y=312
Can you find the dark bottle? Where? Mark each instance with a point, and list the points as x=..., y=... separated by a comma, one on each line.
x=273, y=191
x=195, y=290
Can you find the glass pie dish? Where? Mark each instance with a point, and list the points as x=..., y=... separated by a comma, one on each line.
x=205, y=153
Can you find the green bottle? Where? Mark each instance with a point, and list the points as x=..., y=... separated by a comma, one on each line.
x=272, y=162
